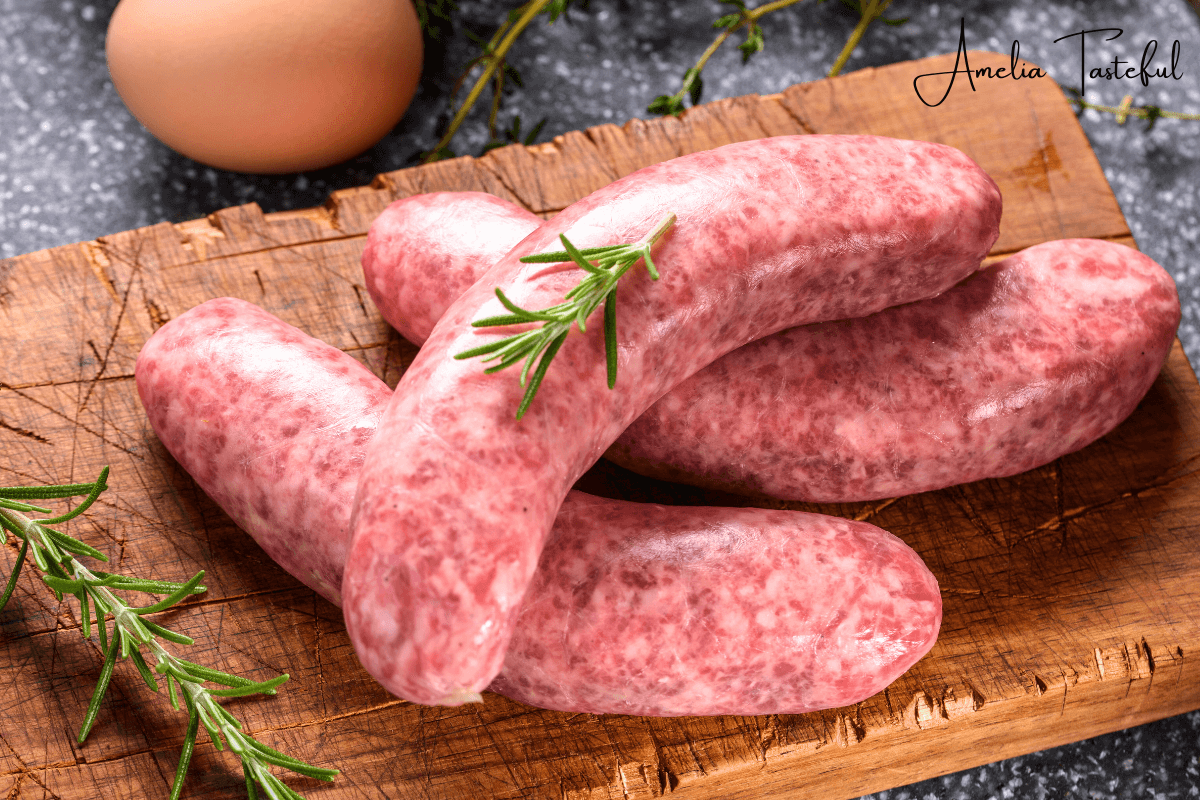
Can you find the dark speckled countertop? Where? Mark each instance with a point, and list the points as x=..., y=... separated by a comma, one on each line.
x=75, y=165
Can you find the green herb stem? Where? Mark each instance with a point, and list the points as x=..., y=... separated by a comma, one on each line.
x=1122, y=112
x=743, y=18
x=540, y=345
x=492, y=59
x=869, y=13
x=132, y=634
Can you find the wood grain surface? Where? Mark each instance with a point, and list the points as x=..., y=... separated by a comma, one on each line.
x=1071, y=600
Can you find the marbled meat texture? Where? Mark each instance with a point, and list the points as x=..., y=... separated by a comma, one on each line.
x=446, y=240
x=634, y=609
x=670, y=611
x=457, y=496
x=271, y=423
x=1026, y=361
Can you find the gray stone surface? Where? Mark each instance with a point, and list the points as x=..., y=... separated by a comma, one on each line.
x=75, y=165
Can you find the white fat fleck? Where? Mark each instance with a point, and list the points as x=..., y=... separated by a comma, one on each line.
x=325, y=587
x=484, y=630
x=689, y=547
x=806, y=642
x=1009, y=403
x=508, y=587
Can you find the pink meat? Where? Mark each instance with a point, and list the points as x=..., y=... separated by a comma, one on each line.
x=457, y=497
x=663, y=611
x=270, y=422
x=447, y=239
x=636, y=609
x=1024, y=362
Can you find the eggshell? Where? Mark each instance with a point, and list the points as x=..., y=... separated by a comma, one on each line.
x=266, y=85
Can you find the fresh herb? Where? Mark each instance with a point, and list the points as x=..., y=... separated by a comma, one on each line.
x=605, y=266
x=499, y=73
x=54, y=554
x=513, y=135
x=743, y=18
x=1127, y=109
x=867, y=12
x=729, y=24
x=432, y=15
x=496, y=70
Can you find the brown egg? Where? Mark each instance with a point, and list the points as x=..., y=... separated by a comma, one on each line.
x=266, y=85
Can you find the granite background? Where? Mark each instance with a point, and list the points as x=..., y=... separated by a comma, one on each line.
x=75, y=165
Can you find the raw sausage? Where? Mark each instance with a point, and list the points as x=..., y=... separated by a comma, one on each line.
x=679, y=611
x=1026, y=361
x=456, y=496
x=445, y=240
x=636, y=609
x=270, y=422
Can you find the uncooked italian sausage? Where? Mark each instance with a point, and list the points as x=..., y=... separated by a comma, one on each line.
x=457, y=496
x=635, y=609
x=1025, y=361
x=445, y=240
x=1028, y=360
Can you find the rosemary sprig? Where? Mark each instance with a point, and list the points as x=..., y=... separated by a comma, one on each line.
x=54, y=554
x=605, y=266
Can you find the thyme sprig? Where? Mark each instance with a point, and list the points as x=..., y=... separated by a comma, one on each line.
x=499, y=73
x=605, y=266
x=729, y=24
x=1152, y=114
x=743, y=18
x=54, y=554
x=495, y=68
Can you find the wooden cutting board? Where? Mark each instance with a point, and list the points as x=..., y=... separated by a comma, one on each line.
x=1072, y=605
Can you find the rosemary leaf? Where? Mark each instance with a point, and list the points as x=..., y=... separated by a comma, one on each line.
x=169, y=635
x=144, y=670
x=212, y=675
x=136, y=638
x=185, y=754
x=604, y=267
x=540, y=373
x=610, y=333
x=96, y=487
x=72, y=545
x=63, y=585
x=191, y=587
x=56, y=492
x=93, y=709
x=266, y=687
x=24, y=507
x=214, y=733
x=12, y=579
x=85, y=610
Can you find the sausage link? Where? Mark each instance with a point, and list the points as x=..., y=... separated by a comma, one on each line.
x=270, y=422
x=445, y=240
x=1028, y=360
x=1025, y=361
x=636, y=609
x=456, y=496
